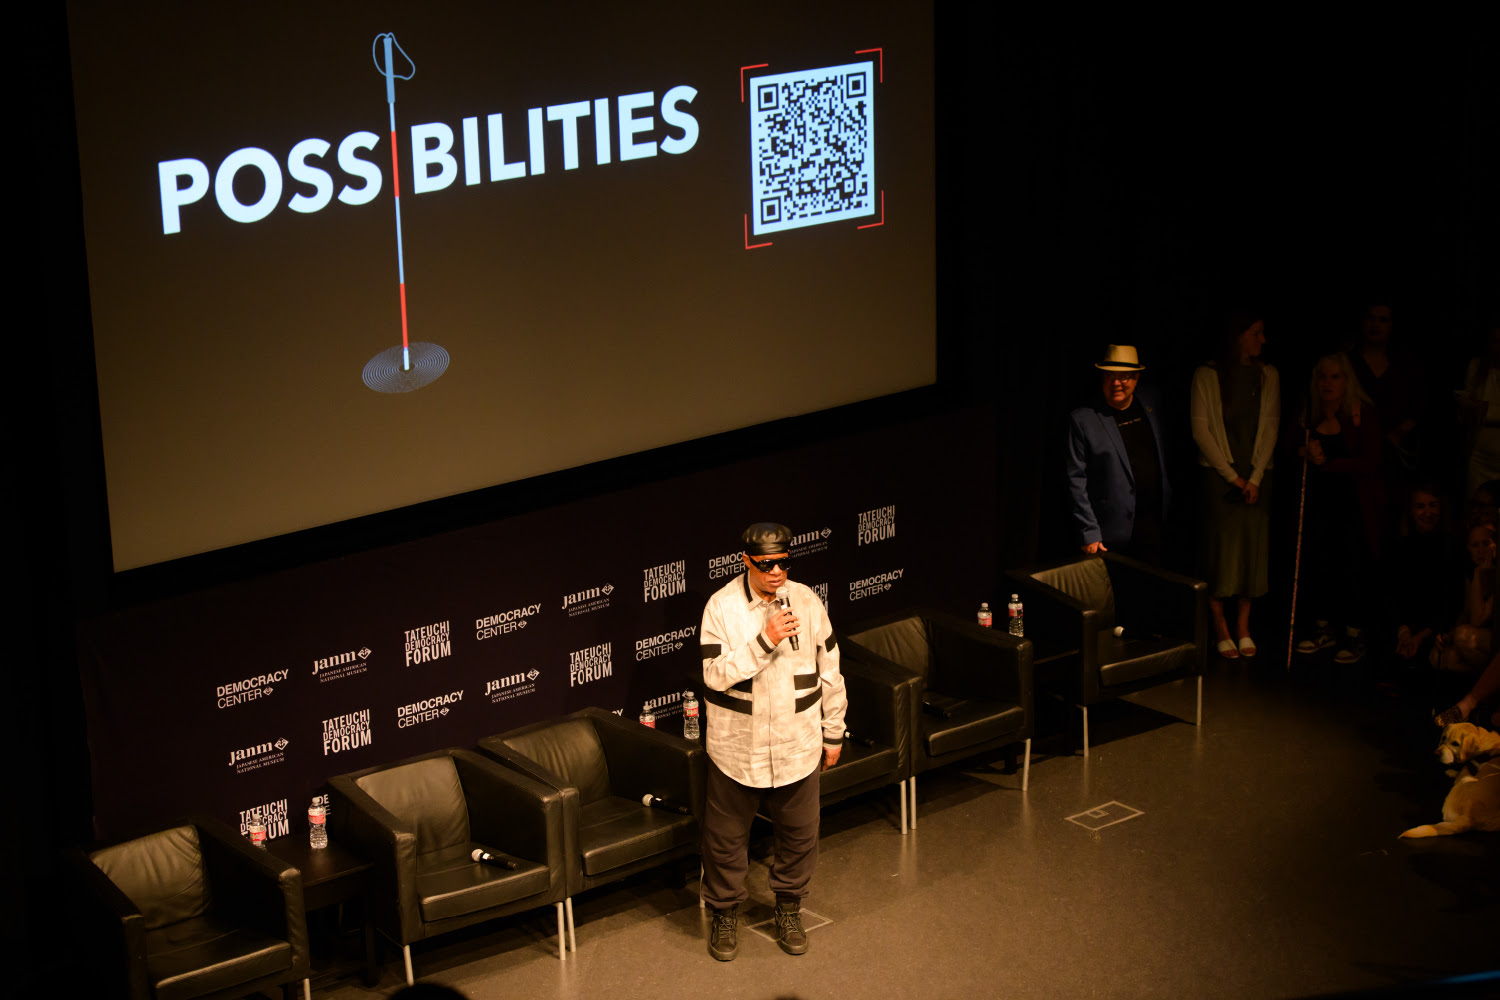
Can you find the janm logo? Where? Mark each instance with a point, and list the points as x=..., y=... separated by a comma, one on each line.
x=809, y=543
x=341, y=665
x=253, y=758
x=511, y=686
x=582, y=602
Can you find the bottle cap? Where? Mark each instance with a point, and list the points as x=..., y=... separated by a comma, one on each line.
x=1015, y=597
x=984, y=604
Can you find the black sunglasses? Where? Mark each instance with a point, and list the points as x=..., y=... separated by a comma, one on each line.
x=772, y=565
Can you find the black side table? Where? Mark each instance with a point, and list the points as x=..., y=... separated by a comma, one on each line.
x=331, y=875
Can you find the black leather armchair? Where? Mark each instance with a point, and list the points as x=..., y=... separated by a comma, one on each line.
x=878, y=742
x=194, y=911
x=975, y=686
x=602, y=765
x=419, y=820
x=1072, y=610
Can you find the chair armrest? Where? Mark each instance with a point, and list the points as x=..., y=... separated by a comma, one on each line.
x=973, y=661
x=496, y=749
x=509, y=810
x=254, y=885
x=1051, y=615
x=106, y=915
x=1150, y=599
x=642, y=760
x=881, y=698
x=373, y=832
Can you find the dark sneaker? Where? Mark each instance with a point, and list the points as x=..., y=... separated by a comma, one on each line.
x=1313, y=643
x=789, y=933
x=1352, y=649
x=723, y=940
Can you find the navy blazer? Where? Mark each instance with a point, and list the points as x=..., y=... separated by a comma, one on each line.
x=1101, y=486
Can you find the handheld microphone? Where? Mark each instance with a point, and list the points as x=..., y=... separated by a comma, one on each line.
x=657, y=802
x=784, y=598
x=486, y=858
x=861, y=740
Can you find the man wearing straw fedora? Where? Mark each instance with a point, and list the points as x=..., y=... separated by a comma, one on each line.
x=1117, y=479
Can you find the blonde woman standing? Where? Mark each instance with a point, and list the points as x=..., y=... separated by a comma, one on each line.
x=1236, y=415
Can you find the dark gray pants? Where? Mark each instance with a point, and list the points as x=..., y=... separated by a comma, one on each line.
x=793, y=810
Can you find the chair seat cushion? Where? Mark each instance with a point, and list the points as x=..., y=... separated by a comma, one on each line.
x=970, y=722
x=201, y=955
x=1125, y=660
x=858, y=764
x=451, y=884
x=615, y=831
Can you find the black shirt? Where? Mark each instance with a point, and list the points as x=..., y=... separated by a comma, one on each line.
x=1145, y=466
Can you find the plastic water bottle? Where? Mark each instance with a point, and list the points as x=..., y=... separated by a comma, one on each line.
x=985, y=618
x=648, y=717
x=1017, y=615
x=257, y=829
x=317, y=825
x=690, y=729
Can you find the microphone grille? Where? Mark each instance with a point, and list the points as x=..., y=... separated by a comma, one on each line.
x=782, y=591
x=475, y=854
x=646, y=799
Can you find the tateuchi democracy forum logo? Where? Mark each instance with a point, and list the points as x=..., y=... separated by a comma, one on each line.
x=511, y=686
x=428, y=642
x=876, y=525
x=504, y=622
x=591, y=664
x=588, y=600
x=273, y=814
x=259, y=755
x=340, y=666
x=666, y=580
x=252, y=688
x=349, y=731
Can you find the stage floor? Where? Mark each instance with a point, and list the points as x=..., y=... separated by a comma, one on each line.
x=1254, y=857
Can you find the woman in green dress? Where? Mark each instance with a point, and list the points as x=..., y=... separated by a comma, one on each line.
x=1236, y=415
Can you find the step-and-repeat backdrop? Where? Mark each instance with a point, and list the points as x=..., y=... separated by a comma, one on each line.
x=250, y=696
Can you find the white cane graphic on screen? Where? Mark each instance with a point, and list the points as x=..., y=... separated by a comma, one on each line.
x=410, y=366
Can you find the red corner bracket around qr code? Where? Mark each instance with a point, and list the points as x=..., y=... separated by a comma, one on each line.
x=872, y=225
x=748, y=245
x=742, y=77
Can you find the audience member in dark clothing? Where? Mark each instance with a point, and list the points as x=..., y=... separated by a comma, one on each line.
x=1484, y=690
x=1467, y=647
x=1117, y=476
x=1394, y=383
x=1345, y=503
x=1423, y=578
x=1479, y=405
x=1236, y=415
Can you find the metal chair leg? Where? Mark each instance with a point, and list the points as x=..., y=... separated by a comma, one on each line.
x=702, y=904
x=562, y=939
x=913, y=787
x=1198, y=720
x=902, y=788
x=572, y=938
x=406, y=955
x=307, y=989
x=1085, y=710
x=1026, y=767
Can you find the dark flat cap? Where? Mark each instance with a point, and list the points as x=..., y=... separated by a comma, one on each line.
x=766, y=538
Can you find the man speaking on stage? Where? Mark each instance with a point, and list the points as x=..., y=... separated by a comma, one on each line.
x=775, y=720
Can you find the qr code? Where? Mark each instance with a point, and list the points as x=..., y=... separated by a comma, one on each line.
x=812, y=146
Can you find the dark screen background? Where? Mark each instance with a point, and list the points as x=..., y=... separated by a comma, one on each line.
x=588, y=313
